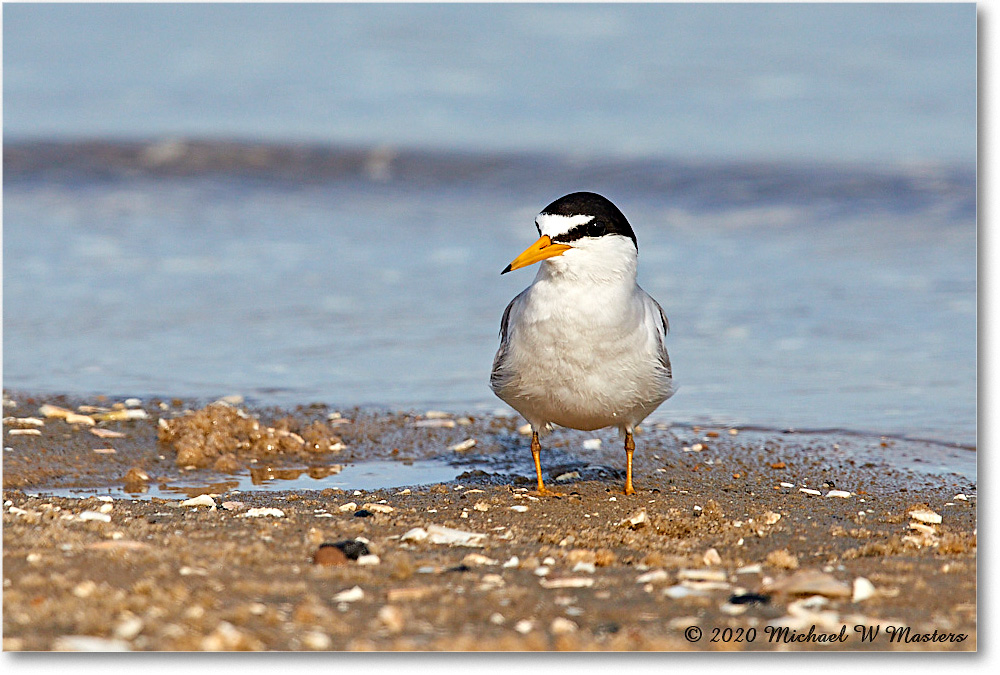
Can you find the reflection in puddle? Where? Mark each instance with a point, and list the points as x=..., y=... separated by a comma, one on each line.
x=362, y=476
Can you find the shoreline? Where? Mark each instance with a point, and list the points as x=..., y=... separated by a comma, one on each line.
x=751, y=533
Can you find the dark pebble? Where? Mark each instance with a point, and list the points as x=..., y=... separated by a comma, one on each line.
x=459, y=568
x=362, y=513
x=607, y=628
x=749, y=599
x=351, y=548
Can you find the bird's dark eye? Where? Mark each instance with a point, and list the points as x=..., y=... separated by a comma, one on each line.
x=595, y=229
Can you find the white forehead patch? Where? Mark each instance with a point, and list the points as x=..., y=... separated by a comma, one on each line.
x=553, y=225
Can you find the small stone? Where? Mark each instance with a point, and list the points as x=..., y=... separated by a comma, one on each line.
x=261, y=512
x=863, y=589
x=585, y=567
x=652, y=577
x=783, y=559
x=592, y=444
x=106, y=508
x=86, y=643
x=467, y=444
x=349, y=595
x=316, y=641
x=513, y=562
x=520, y=508
x=391, y=617
x=843, y=494
x=94, y=515
x=416, y=534
x=926, y=516
x=712, y=557
x=438, y=534
x=435, y=424
x=636, y=520
x=570, y=582
x=84, y=589
x=810, y=491
x=136, y=476
x=200, y=500
x=378, y=508
x=233, y=506
x=561, y=626
x=349, y=506
x=128, y=627
x=770, y=517
x=24, y=432
x=524, y=626
x=353, y=549
x=363, y=513
x=477, y=559
x=481, y=506
x=497, y=619
x=810, y=582
x=569, y=475
x=961, y=497
x=370, y=559
x=702, y=575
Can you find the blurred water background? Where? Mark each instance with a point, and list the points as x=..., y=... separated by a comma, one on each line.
x=313, y=202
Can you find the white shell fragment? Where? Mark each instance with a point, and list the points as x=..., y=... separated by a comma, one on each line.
x=200, y=500
x=520, y=508
x=478, y=559
x=592, y=444
x=438, y=534
x=863, y=589
x=107, y=433
x=88, y=643
x=568, y=582
x=636, y=520
x=24, y=432
x=838, y=493
x=258, y=512
x=378, y=508
x=810, y=582
x=435, y=424
x=349, y=595
x=467, y=444
x=416, y=534
x=810, y=491
x=370, y=559
x=561, y=625
x=94, y=515
x=926, y=516
x=652, y=576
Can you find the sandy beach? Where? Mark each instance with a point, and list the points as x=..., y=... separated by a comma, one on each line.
x=736, y=540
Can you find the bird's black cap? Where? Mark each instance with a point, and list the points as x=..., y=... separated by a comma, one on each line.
x=607, y=218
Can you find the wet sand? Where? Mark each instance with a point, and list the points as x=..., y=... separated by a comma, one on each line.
x=754, y=540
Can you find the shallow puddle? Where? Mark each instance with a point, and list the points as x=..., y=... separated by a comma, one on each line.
x=360, y=476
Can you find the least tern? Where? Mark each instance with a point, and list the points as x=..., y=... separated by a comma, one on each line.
x=583, y=346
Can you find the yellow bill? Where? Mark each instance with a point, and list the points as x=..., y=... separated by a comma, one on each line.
x=540, y=250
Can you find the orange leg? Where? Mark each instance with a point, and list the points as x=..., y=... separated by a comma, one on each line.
x=536, y=449
x=629, y=449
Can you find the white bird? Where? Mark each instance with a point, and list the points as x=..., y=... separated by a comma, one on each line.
x=583, y=346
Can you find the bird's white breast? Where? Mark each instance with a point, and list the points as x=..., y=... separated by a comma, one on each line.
x=583, y=352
